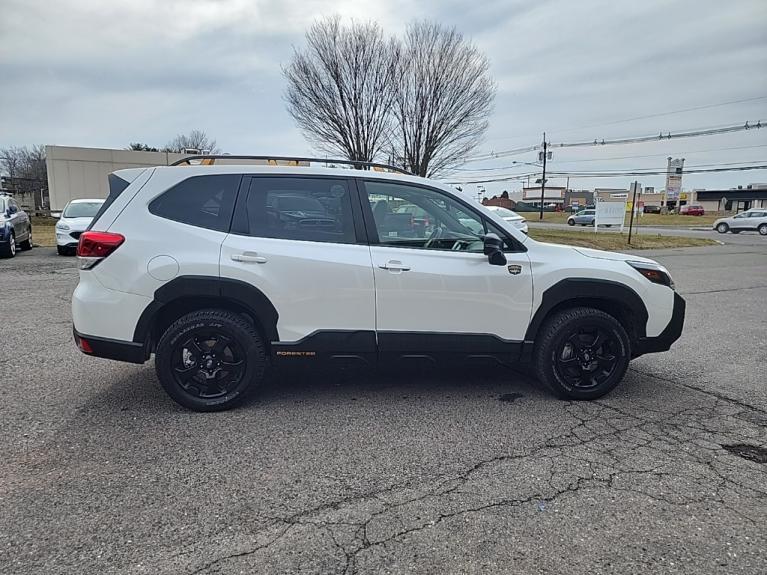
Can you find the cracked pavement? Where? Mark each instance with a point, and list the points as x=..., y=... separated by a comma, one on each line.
x=447, y=472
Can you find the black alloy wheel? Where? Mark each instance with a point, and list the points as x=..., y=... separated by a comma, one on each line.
x=210, y=360
x=589, y=357
x=208, y=364
x=581, y=353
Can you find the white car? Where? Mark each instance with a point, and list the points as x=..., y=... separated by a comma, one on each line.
x=74, y=220
x=512, y=217
x=754, y=219
x=221, y=271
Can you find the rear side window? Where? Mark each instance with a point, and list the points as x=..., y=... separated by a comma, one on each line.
x=202, y=201
x=308, y=209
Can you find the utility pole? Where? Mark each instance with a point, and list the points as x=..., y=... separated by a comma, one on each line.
x=543, y=179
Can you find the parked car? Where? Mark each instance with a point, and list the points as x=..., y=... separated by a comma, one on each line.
x=189, y=264
x=651, y=209
x=15, y=227
x=689, y=210
x=511, y=217
x=74, y=220
x=585, y=218
x=754, y=219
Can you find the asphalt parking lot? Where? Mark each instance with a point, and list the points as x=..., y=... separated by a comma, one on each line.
x=474, y=472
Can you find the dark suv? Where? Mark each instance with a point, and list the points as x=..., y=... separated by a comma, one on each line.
x=15, y=227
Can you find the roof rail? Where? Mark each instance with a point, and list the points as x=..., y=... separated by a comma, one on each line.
x=210, y=159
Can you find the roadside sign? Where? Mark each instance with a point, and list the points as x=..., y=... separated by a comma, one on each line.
x=610, y=213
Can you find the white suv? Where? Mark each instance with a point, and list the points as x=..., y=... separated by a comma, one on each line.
x=223, y=270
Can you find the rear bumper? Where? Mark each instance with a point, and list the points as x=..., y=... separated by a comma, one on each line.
x=669, y=335
x=129, y=351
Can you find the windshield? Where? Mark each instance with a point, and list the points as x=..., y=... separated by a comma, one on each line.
x=82, y=209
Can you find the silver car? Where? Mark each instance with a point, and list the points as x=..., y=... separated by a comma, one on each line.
x=754, y=219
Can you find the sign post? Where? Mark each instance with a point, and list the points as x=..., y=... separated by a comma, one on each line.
x=633, y=203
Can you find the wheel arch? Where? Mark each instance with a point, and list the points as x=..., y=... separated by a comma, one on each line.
x=186, y=294
x=616, y=299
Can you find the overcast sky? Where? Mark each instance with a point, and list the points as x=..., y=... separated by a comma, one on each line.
x=105, y=73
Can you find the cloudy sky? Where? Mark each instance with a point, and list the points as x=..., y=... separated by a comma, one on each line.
x=105, y=73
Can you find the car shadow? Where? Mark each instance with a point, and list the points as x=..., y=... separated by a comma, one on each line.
x=137, y=389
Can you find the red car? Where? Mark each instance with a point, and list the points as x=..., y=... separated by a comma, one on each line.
x=691, y=211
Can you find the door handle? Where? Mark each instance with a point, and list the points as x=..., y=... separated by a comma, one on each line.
x=395, y=266
x=249, y=257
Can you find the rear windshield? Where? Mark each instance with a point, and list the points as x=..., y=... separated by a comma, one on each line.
x=82, y=209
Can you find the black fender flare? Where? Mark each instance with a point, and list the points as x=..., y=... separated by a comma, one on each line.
x=573, y=289
x=239, y=292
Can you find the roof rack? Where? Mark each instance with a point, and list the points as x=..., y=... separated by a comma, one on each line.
x=210, y=159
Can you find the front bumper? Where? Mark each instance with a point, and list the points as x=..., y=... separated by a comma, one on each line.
x=669, y=335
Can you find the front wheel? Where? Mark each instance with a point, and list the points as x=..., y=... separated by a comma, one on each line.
x=722, y=228
x=8, y=250
x=210, y=360
x=581, y=353
x=763, y=230
x=570, y=222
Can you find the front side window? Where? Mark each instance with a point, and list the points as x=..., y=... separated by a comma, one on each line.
x=304, y=209
x=408, y=216
x=202, y=201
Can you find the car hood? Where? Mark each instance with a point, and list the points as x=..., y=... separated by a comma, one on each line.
x=76, y=224
x=613, y=256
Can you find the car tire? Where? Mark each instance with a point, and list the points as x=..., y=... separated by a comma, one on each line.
x=581, y=353
x=8, y=250
x=722, y=228
x=198, y=347
x=27, y=244
x=570, y=222
x=762, y=230
x=62, y=251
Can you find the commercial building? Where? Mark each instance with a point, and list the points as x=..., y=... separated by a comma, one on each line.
x=75, y=173
x=733, y=200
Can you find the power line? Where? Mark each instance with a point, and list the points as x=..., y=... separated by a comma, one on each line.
x=596, y=174
x=658, y=115
x=660, y=137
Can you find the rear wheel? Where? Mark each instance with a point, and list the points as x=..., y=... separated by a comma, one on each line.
x=210, y=360
x=763, y=229
x=27, y=244
x=722, y=228
x=581, y=353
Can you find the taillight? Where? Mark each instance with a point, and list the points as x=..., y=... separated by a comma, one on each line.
x=95, y=246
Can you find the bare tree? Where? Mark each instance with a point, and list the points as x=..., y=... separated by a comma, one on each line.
x=195, y=140
x=27, y=171
x=443, y=99
x=340, y=88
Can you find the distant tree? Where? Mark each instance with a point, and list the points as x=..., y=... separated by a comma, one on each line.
x=340, y=88
x=505, y=194
x=196, y=140
x=444, y=96
x=139, y=147
x=27, y=170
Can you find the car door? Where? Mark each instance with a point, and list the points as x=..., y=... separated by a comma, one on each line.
x=740, y=221
x=300, y=241
x=437, y=296
x=18, y=221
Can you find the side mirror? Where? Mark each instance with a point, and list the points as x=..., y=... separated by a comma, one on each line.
x=494, y=250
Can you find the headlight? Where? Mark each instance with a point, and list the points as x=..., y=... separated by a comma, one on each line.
x=62, y=227
x=656, y=273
